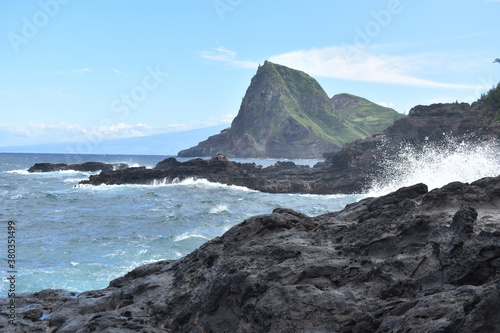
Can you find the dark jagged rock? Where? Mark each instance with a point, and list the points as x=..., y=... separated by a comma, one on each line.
x=436, y=123
x=282, y=177
x=87, y=166
x=410, y=261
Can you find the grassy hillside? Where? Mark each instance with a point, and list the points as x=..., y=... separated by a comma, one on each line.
x=286, y=113
x=362, y=117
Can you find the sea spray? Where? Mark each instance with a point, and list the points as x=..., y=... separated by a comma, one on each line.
x=434, y=164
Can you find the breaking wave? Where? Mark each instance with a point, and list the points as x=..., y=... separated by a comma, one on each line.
x=218, y=209
x=436, y=164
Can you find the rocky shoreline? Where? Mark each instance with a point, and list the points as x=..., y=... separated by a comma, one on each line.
x=349, y=171
x=414, y=260
x=282, y=177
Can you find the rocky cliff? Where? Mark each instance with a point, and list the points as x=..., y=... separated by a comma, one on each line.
x=286, y=114
x=433, y=123
x=410, y=261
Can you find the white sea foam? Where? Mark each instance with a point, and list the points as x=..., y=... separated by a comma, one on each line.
x=73, y=180
x=188, y=182
x=218, y=209
x=204, y=183
x=20, y=172
x=437, y=164
x=160, y=182
x=188, y=235
x=52, y=173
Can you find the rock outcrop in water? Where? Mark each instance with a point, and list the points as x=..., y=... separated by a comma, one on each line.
x=282, y=177
x=348, y=171
x=86, y=167
x=286, y=114
x=410, y=261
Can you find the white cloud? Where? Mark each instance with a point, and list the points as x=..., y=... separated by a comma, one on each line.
x=387, y=105
x=68, y=72
x=117, y=71
x=60, y=93
x=35, y=133
x=356, y=64
x=224, y=119
x=227, y=56
x=82, y=71
x=39, y=133
x=11, y=92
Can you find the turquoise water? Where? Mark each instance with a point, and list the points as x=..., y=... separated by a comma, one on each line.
x=80, y=238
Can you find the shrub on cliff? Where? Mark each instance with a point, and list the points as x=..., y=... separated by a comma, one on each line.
x=492, y=101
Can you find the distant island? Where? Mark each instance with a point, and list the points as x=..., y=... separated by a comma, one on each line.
x=285, y=113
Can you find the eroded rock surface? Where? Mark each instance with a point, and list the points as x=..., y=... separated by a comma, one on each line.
x=410, y=261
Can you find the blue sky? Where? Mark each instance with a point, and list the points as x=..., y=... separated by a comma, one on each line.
x=86, y=70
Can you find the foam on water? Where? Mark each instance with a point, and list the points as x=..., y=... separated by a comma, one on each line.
x=218, y=209
x=437, y=164
x=20, y=172
x=188, y=235
x=204, y=183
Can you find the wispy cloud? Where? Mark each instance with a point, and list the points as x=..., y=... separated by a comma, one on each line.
x=34, y=133
x=11, y=92
x=82, y=70
x=213, y=121
x=227, y=56
x=385, y=104
x=117, y=71
x=63, y=132
x=68, y=72
x=351, y=63
x=61, y=93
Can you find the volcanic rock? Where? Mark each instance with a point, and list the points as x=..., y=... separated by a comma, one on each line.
x=410, y=261
x=86, y=167
x=282, y=177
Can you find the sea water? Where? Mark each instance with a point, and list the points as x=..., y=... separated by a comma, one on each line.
x=79, y=238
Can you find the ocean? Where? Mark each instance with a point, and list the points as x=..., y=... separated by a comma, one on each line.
x=80, y=238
